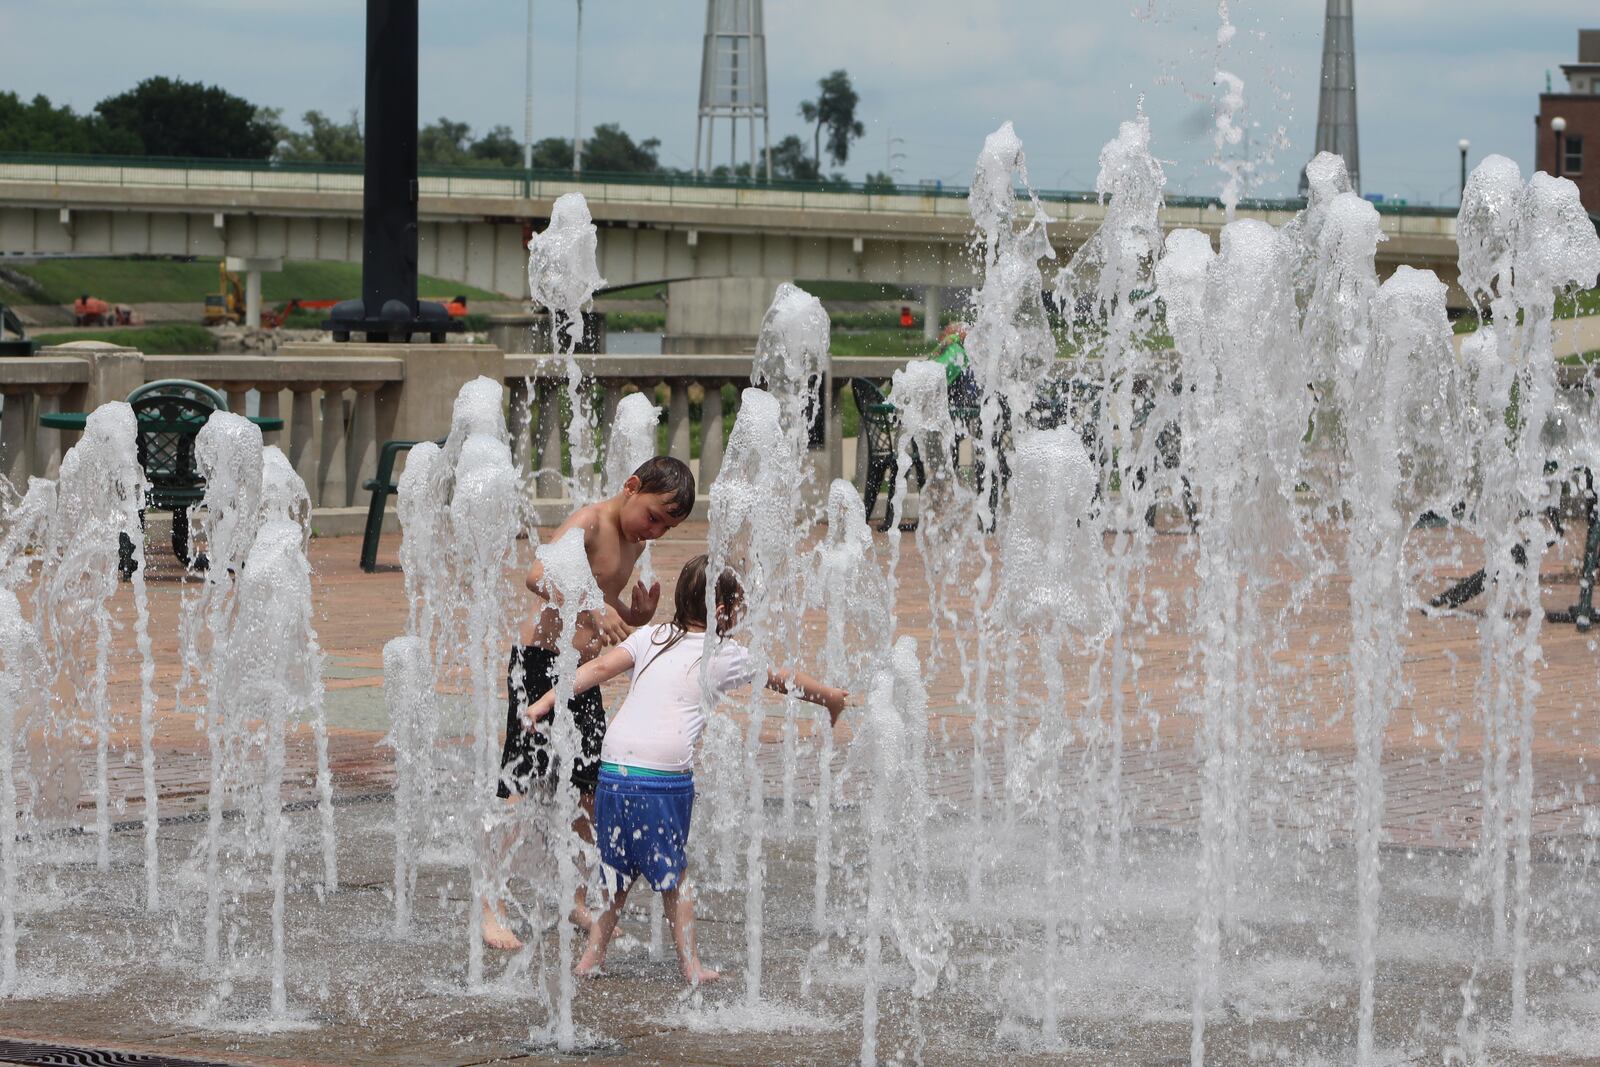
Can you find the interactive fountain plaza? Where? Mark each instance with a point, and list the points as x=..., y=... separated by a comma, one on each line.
x=1027, y=862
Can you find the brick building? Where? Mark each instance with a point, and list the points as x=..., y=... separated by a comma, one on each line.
x=1579, y=144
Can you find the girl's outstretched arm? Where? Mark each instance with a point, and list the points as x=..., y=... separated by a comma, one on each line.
x=809, y=689
x=598, y=671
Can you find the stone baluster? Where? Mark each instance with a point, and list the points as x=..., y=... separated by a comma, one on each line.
x=238, y=397
x=833, y=437
x=610, y=397
x=678, y=418
x=362, y=455
x=16, y=426
x=711, y=426
x=332, y=475
x=271, y=409
x=47, y=442
x=303, y=450
x=518, y=413
x=551, y=435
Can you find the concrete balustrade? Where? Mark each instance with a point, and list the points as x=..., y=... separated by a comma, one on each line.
x=340, y=402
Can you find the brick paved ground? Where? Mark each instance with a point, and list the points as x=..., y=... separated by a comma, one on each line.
x=1125, y=994
x=1431, y=765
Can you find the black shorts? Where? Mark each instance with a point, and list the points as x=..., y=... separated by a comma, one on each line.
x=526, y=755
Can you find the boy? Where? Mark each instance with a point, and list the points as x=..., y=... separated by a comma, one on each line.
x=654, y=499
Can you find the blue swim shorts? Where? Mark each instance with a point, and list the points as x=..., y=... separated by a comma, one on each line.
x=642, y=826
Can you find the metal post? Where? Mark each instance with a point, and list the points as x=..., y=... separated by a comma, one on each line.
x=388, y=308
x=577, y=98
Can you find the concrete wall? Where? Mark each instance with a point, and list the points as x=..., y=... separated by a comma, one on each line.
x=716, y=315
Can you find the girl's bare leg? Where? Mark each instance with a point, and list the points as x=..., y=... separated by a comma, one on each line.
x=594, y=953
x=678, y=903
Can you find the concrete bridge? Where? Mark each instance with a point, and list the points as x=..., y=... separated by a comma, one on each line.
x=475, y=224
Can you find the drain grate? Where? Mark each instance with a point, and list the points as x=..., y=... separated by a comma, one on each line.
x=37, y=1055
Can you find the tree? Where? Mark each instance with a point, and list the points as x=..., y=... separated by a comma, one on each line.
x=498, y=146
x=324, y=140
x=881, y=182
x=39, y=126
x=172, y=117
x=790, y=160
x=552, y=153
x=834, y=109
x=444, y=144
x=610, y=149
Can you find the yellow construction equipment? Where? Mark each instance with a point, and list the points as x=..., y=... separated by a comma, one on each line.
x=227, y=303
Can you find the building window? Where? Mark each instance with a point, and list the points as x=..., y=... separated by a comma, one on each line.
x=1573, y=161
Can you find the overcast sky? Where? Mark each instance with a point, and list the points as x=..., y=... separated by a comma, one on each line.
x=938, y=74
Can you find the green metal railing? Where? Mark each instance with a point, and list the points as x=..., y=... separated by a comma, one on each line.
x=514, y=182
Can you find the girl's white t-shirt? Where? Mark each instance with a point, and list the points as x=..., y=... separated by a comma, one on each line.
x=660, y=721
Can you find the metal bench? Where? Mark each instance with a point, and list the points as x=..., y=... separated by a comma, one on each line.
x=382, y=484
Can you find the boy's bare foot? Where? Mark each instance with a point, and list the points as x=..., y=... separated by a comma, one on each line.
x=700, y=974
x=497, y=935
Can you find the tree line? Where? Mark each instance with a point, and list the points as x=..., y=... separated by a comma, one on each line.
x=170, y=117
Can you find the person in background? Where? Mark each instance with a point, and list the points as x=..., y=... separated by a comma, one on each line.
x=952, y=354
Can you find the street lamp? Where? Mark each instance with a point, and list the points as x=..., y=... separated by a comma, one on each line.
x=527, y=109
x=577, y=96
x=1463, y=144
x=1558, y=126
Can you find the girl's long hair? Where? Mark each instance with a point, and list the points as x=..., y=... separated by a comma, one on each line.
x=689, y=606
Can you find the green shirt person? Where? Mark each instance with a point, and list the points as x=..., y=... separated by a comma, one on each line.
x=952, y=354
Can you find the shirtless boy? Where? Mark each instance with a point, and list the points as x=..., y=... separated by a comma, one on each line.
x=657, y=497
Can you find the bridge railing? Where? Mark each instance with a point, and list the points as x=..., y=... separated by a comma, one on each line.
x=666, y=188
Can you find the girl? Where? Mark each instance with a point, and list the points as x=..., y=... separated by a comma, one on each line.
x=646, y=789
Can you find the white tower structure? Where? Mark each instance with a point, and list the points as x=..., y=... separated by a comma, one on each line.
x=733, y=83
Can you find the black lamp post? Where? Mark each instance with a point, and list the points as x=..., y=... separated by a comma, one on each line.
x=388, y=309
x=1558, y=126
x=1463, y=144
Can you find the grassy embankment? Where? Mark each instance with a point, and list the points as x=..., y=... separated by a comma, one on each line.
x=136, y=281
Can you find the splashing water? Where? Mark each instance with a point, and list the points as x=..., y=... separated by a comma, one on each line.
x=1234, y=319
x=563, y=278
x=792, y=357
x=1520, y=247
x=632, y=443
x=569, y=577
x=851, y=582
x=97, y=498
x=1132, y=428
x=755, y=531
x=898, y=909
x=228, y=456
x=1011, y=349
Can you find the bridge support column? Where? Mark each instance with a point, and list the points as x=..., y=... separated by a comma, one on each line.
x=252, y=266
x=252, y=299
x=930, y=313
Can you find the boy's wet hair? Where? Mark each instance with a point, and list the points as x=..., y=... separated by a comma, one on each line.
x=671, y=478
